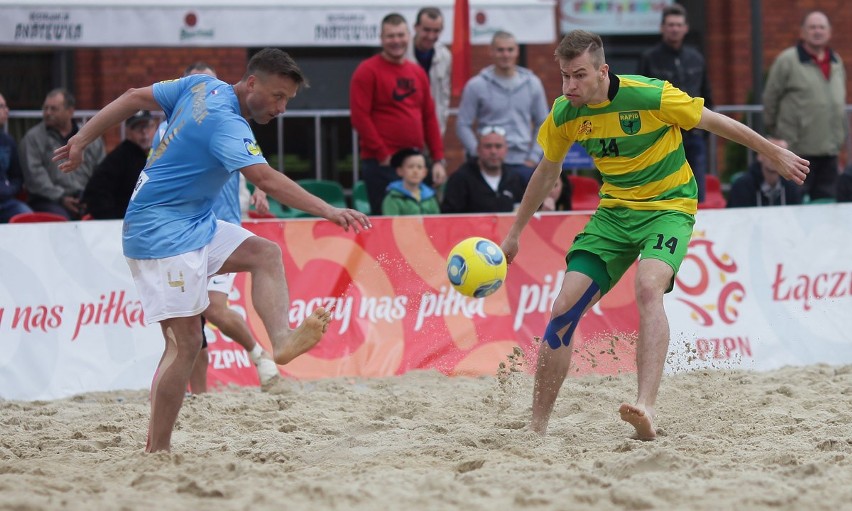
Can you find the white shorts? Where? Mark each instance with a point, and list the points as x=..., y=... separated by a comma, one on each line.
x=221, y=283
x=176, y=287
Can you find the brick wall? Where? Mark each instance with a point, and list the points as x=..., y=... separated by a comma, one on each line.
x=729, y=53
x=728, y=50
x=101, y=75
x=728, y=46
x=728, y=41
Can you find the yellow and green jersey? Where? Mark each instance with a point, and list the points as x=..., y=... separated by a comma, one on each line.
x=634, y=138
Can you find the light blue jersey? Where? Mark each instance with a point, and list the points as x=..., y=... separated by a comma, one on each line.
x=227, y=205
x=159, y=134
x=205, y=143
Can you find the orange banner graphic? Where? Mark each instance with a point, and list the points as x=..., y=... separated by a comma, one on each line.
x=395, y=311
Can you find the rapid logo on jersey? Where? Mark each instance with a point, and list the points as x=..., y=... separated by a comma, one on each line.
x=251, y=147
x=631, y=123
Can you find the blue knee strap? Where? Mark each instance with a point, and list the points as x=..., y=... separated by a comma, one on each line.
x=572, y=316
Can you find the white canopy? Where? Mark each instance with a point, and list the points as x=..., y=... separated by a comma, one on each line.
x=181, y=23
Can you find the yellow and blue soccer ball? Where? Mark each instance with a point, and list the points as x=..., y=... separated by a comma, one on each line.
x=476, y=267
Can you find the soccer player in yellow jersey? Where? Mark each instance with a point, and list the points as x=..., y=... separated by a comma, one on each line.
x=631, y=127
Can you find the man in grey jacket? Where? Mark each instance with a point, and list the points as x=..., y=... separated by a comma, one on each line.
x=803, y=103
x=434, y=58
x=509, y=96
x=49, y=188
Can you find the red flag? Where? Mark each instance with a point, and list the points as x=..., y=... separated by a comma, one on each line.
x=461, y=46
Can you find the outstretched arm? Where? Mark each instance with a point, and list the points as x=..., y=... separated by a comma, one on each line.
x=288, y=192
x=541, y=184
x=787, y=163
x=71, y=154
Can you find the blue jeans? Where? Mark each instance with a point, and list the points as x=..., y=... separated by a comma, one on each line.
x=822, y=179
x=377, y=178
x=696, y=154
x=12, y=207
x=39, y=203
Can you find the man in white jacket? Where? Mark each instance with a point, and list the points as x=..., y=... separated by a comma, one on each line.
x=434, y=58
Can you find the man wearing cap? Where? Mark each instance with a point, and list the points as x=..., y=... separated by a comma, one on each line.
x=108, y=192
x=50, y=189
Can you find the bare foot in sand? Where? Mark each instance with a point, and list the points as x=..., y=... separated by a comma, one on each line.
x=303, y=338
x=640, y=418
x=538, y=426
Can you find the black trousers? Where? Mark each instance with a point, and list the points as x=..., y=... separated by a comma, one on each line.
x=821, y=182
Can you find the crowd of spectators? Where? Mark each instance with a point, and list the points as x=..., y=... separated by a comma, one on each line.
x=400, y=103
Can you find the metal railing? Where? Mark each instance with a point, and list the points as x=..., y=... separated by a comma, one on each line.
x=753, y=117
x=83, y=116
x=317, y=116
x=748, y=111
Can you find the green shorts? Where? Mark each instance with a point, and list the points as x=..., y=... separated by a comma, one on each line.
x=615, y=237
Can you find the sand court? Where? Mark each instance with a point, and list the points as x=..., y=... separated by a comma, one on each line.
x=727, y=439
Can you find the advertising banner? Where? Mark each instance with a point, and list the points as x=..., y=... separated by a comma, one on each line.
x=759, y=289
x=78, y=23
x=612, y=17
x=765, y=287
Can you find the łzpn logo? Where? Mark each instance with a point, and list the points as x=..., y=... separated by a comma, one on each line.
x=710, y=267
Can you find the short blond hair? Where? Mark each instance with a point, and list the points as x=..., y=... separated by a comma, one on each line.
x=578, y=42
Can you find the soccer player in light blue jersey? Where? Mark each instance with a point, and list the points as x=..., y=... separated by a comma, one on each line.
x=229, y=321
x=172, y=240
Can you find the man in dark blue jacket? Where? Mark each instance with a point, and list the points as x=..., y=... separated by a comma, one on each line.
x=113, y=180
x=684, y=67
x=11, y=179
x=762, y=186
